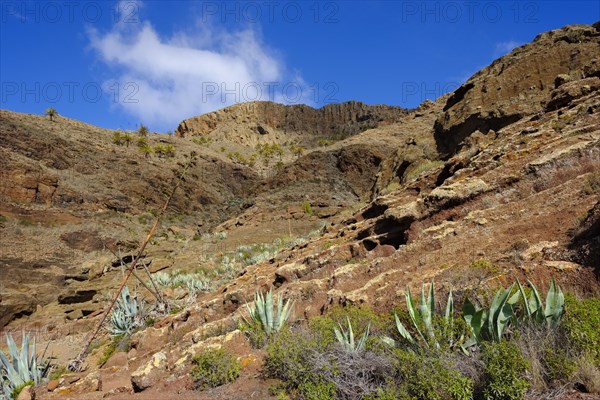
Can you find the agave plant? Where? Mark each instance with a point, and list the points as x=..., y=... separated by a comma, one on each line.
x=534, y=307
x=162, y=279
x=195, y=285
x=229, y=267
x=422, y=318
x=490, y=324
x=24, y=366
x=346, y=338
x=127, y=315
x=262, y=312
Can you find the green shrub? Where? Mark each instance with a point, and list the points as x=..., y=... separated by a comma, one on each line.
x=127, y=138
x=268, y=150
x=581, y=325
x=282, y=396
x=202, y=140
x=143, y=130
x=142, y=142
x=558, y=126
x=485, y=266
x=236, y=156
x=297, y=150
x=559, y=366
x=428, y=377
x=324, y=142
x=288, y=357
x=166, y=150
x=504, y=372
x=118, y=138
x=214, y=368
x=51, y=112
x=146, y=150
x=317, y=391
x=307, y=208
x=391, y=392
x=121, y=342
x=255, y=333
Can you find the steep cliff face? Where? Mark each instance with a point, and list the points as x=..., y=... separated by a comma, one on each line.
x=333, y=169
x=517, y=84
x=246, y=123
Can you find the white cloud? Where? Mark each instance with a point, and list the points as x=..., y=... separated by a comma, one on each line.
x=189, y=73
x=504, y=48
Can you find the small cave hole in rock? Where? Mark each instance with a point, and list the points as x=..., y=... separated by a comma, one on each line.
x=374, y=211
x=447, y=172
x=279, y=280
x=397, y=239
x=392, y=232
x=369, y=244
x=81, y=296
x=123, y=261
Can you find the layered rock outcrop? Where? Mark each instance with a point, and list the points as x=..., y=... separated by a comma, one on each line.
x=517, y=84
x=239, y=123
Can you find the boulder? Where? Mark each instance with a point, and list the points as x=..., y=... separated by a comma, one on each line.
x=75, y=384
x=27, y=393
x=150, y=373
x=74, y=315
x=457, y=193
x=150, y=340
x=117, y=360
x=569, y=91
x=52, y=385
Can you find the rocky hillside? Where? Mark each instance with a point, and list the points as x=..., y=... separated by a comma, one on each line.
x=72, y=193
x=518, y=84
x=496, y=181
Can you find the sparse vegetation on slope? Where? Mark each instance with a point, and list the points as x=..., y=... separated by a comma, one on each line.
x=307, y=362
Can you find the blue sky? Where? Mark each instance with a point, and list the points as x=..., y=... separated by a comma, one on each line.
x=119, y=64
